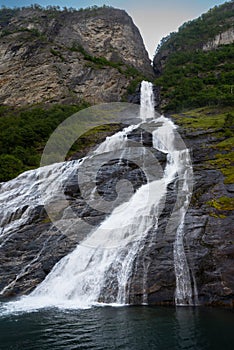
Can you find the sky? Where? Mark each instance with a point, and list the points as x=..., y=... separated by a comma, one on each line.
x=154, y=18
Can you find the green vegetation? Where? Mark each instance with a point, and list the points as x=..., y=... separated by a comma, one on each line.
x=192, y=33
x=133, y=85
x=207, y=118
x=7, y=13
x=92, y=137
x=193, y=77
x=10, y=167
x=32, y=32
x=220, y=122
x=222, y=203
x=8, y=27
x=95, y=62
x=24, y=133
x=58, y=54
x=225, y=163
x=226, y=145
x=100, y=62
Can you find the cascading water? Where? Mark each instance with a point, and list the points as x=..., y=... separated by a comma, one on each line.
x=106, y=255
x=147, y=101
x=178, y=163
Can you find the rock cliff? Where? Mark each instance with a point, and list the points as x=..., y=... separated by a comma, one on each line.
x=224, y=38
x=61, y=56
x=209, y=221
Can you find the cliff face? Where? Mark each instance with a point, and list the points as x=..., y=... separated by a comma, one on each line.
x=209, y=220
x=211, y=30
x=194, y=69
x=53, y=56
x=224, y=38
x=194, y=65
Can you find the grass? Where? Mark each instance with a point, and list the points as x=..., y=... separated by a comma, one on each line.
x=123, y=68
x=99, y=61
x=220, y=207
x=33, y=33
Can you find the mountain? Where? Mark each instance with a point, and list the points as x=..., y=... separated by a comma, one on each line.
x=193, y=70
x=52, y=56
x=54, y=63
x=194, y=66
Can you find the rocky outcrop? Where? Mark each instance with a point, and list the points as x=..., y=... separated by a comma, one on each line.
x=29, y=249
x=66, y=57
x=208, y=235
x=224, y=38
x=208, y=230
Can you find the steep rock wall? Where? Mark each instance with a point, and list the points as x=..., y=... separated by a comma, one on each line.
x=69, y=56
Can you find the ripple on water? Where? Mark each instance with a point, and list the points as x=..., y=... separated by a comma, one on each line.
x=130, y=328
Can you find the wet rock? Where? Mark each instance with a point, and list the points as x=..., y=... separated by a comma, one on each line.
x=136, y=97
x=208, y=240
x=29, y=253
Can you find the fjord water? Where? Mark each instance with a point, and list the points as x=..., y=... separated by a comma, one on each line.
x=126, y=328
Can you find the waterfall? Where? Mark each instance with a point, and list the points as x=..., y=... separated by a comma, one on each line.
x=106, y=256
x=147, y=101
x=19, y=197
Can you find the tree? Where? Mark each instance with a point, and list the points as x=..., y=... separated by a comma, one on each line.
x=10, y=167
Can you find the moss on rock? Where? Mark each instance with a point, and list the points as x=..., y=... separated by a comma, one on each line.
x=222, y=203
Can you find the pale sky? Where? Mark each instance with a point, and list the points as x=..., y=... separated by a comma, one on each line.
x=154, y=18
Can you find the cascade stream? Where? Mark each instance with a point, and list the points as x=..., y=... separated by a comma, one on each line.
x=106, y=256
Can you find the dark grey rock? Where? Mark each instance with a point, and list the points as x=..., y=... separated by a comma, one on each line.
x=29, y=253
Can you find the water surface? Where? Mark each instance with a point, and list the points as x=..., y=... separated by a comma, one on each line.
x=130, y=328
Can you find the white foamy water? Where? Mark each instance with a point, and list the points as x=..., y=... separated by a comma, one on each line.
x=107, y=254
x=147, y=101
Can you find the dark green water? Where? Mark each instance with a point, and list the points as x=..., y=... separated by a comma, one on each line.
x=132, y=328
